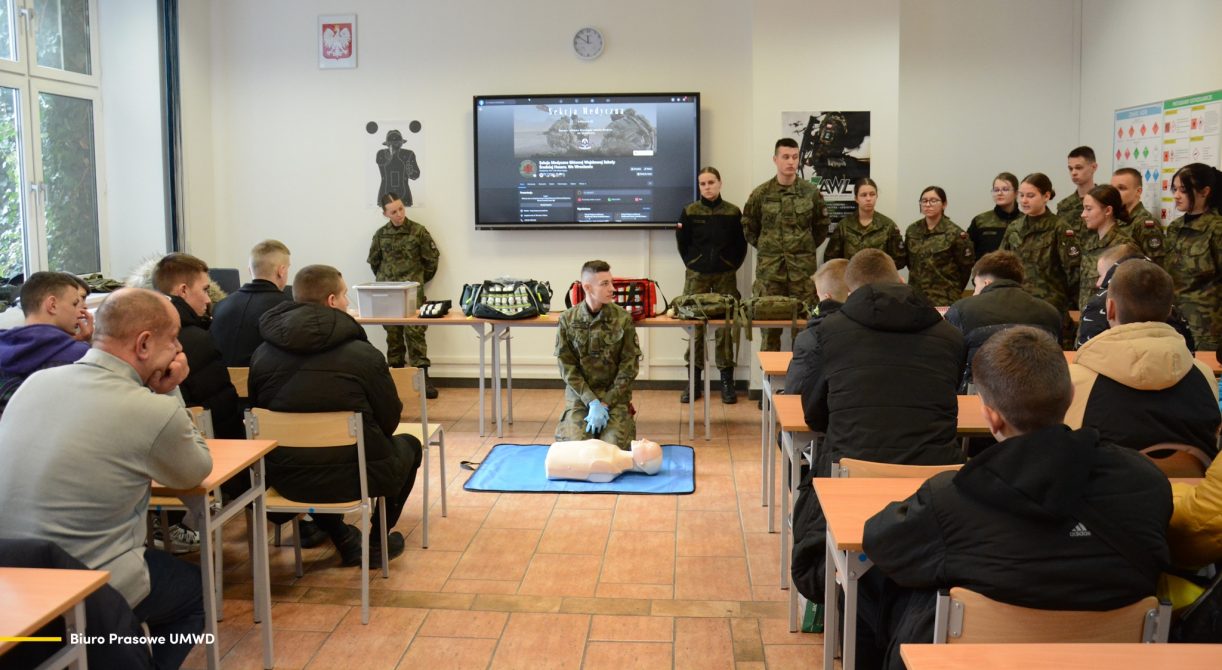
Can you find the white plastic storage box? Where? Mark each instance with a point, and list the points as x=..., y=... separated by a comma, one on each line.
x=392, y=299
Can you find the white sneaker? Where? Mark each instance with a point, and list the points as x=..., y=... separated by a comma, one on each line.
x=183, y=540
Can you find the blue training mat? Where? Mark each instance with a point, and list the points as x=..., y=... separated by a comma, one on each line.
x=519, y=468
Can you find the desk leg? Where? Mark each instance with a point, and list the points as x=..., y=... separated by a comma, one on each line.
x=691, y=383
x=508, y=373
x=764, y=404
x=208, y=574
x=831, y=607
x=787, y=444
x=708, y=371
x=73, y=655
x=772, y=454
x=479, y=331
x=496, y=382
x=262, y=576
x=795, y=474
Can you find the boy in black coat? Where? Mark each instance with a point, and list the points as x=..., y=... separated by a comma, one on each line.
x=235, y=320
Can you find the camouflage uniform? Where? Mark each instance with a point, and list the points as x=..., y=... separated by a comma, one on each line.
x=712, y=247
x=939, y=261
x=1194, y=260
x=1049, y=253
x=987, y=229
x=786, y=224
x=1092, y=247
x=404, y=253
x=1146, y=231
x=599, y=355
x=1070, y=211
x=849, y=236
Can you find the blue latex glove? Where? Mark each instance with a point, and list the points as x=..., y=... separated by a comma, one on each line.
x=596, y=419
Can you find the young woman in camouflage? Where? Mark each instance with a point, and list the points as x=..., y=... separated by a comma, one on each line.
x=1046, y=245
x=940, y=255
x=866, y=229
x=987, y=228
x=1100, y=211
x=1194, y=251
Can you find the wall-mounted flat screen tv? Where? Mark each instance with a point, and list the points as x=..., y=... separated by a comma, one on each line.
x=590, y=160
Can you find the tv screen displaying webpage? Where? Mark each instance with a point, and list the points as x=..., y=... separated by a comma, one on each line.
x=591, y=160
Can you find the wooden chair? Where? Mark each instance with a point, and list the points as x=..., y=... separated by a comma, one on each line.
x=1184, y=460
x=239, y=377
x=989, y=621
x=852, y=467
x=322, y=429
x=409, y=383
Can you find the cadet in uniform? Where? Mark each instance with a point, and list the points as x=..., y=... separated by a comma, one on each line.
x=403, y=250
x=1046, y=246
x=711, y=243
x=1082, y=168
x=867, y=229
x=1136, y=221
x=940, y=254
x=785, y=219
x=598, y=352
x=987, y=228
x=1099, y=216
x=1194, y=251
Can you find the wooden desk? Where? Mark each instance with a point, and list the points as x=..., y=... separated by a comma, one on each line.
x=970, y=422
x=847, y=505
x=230, y=458
x=1061, y=656
x=795, y=437
x=33, y=597
x=773, y=366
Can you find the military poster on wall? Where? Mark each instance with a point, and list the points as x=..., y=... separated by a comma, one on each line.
x=834, y=152
x=1191, y=134
x=1137, y=142
x=393, y=155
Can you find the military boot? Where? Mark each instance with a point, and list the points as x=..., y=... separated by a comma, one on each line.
x=729, y=395
x=684, y=397
x=430, y=391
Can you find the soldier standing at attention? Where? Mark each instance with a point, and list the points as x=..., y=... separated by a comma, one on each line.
x=987, y=228
x=1046, y=246
x=403, y=250
x=711, y=243
x=1194, y=251
x=940, y=254
x=1082, y=168
x=1136, y=221
x=1100, y=210
x=599, y=354
x=785, y=219
x=867, y=229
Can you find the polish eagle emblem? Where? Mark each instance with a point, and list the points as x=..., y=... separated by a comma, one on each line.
x=337, y=41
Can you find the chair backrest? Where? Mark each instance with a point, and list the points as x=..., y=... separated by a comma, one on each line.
x=202, y=418
x=965, y=616
x=852, y=467
x=238, y=377
x=305, y=429
x=1183, y=460
x=407, y=385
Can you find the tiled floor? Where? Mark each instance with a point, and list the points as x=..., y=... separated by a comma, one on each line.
x=546, y=581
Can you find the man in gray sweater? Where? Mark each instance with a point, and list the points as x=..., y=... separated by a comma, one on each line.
x=80, y=444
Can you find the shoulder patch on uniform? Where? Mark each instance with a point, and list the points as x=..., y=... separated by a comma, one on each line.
x=1155, y=242
x=1068, y=233
x=1150, y=223
x=963, y=235
x=1073, y=250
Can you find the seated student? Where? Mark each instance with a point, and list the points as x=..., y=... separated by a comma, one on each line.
x=1137, y=383
x=235, y=320
x=56, y=332
x=1195, y=534
x=999, y=301
x=316, y=358
x=89, y=495
x=1035, y=521
x=1094, y=313
x=832, y=292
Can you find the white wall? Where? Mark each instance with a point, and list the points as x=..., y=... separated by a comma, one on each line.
x=131, y=133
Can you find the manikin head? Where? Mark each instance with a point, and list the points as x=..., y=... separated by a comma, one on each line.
x=646, y=456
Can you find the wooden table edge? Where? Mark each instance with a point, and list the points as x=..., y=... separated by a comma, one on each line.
x=91, y=581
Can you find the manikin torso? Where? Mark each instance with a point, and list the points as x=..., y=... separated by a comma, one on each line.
x=597, y=461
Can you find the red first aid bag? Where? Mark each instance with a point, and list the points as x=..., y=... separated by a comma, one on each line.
x=641, y=297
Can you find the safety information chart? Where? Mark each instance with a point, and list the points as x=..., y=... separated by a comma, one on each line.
x=1190, y=135
x=1138, y=144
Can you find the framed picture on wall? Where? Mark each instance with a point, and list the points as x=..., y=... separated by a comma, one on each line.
x=336, y=41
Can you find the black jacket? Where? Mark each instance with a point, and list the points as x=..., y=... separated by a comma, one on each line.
x=886, y=379
x=1023, y=523
x=317, y=359
x=710, y=236
x=1094, y=314
x=207, y=384
x=1001, y=304
x=235, y=320
x=806, y=350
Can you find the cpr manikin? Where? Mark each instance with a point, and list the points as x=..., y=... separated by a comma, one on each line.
x=597, y=461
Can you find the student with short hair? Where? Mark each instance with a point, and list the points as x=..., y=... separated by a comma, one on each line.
x=1082, y=165
x=1034, y=521
x=832, y=292
x=235, y=320
x=1136, y=221
x=1094, y=312
x=57, y=329
x=316, y=358
x=1137, y=383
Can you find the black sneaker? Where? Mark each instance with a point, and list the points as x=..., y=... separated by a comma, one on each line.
x=311, y=534
x=349, y=549
x=394, y=547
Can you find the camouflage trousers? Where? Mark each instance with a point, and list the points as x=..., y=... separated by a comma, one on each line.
x=718, y=282
x=804, y=290
x=1201, y=319
x=620, y=430
x=406, y=345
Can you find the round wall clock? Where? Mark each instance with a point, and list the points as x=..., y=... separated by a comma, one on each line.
x=588, y=43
